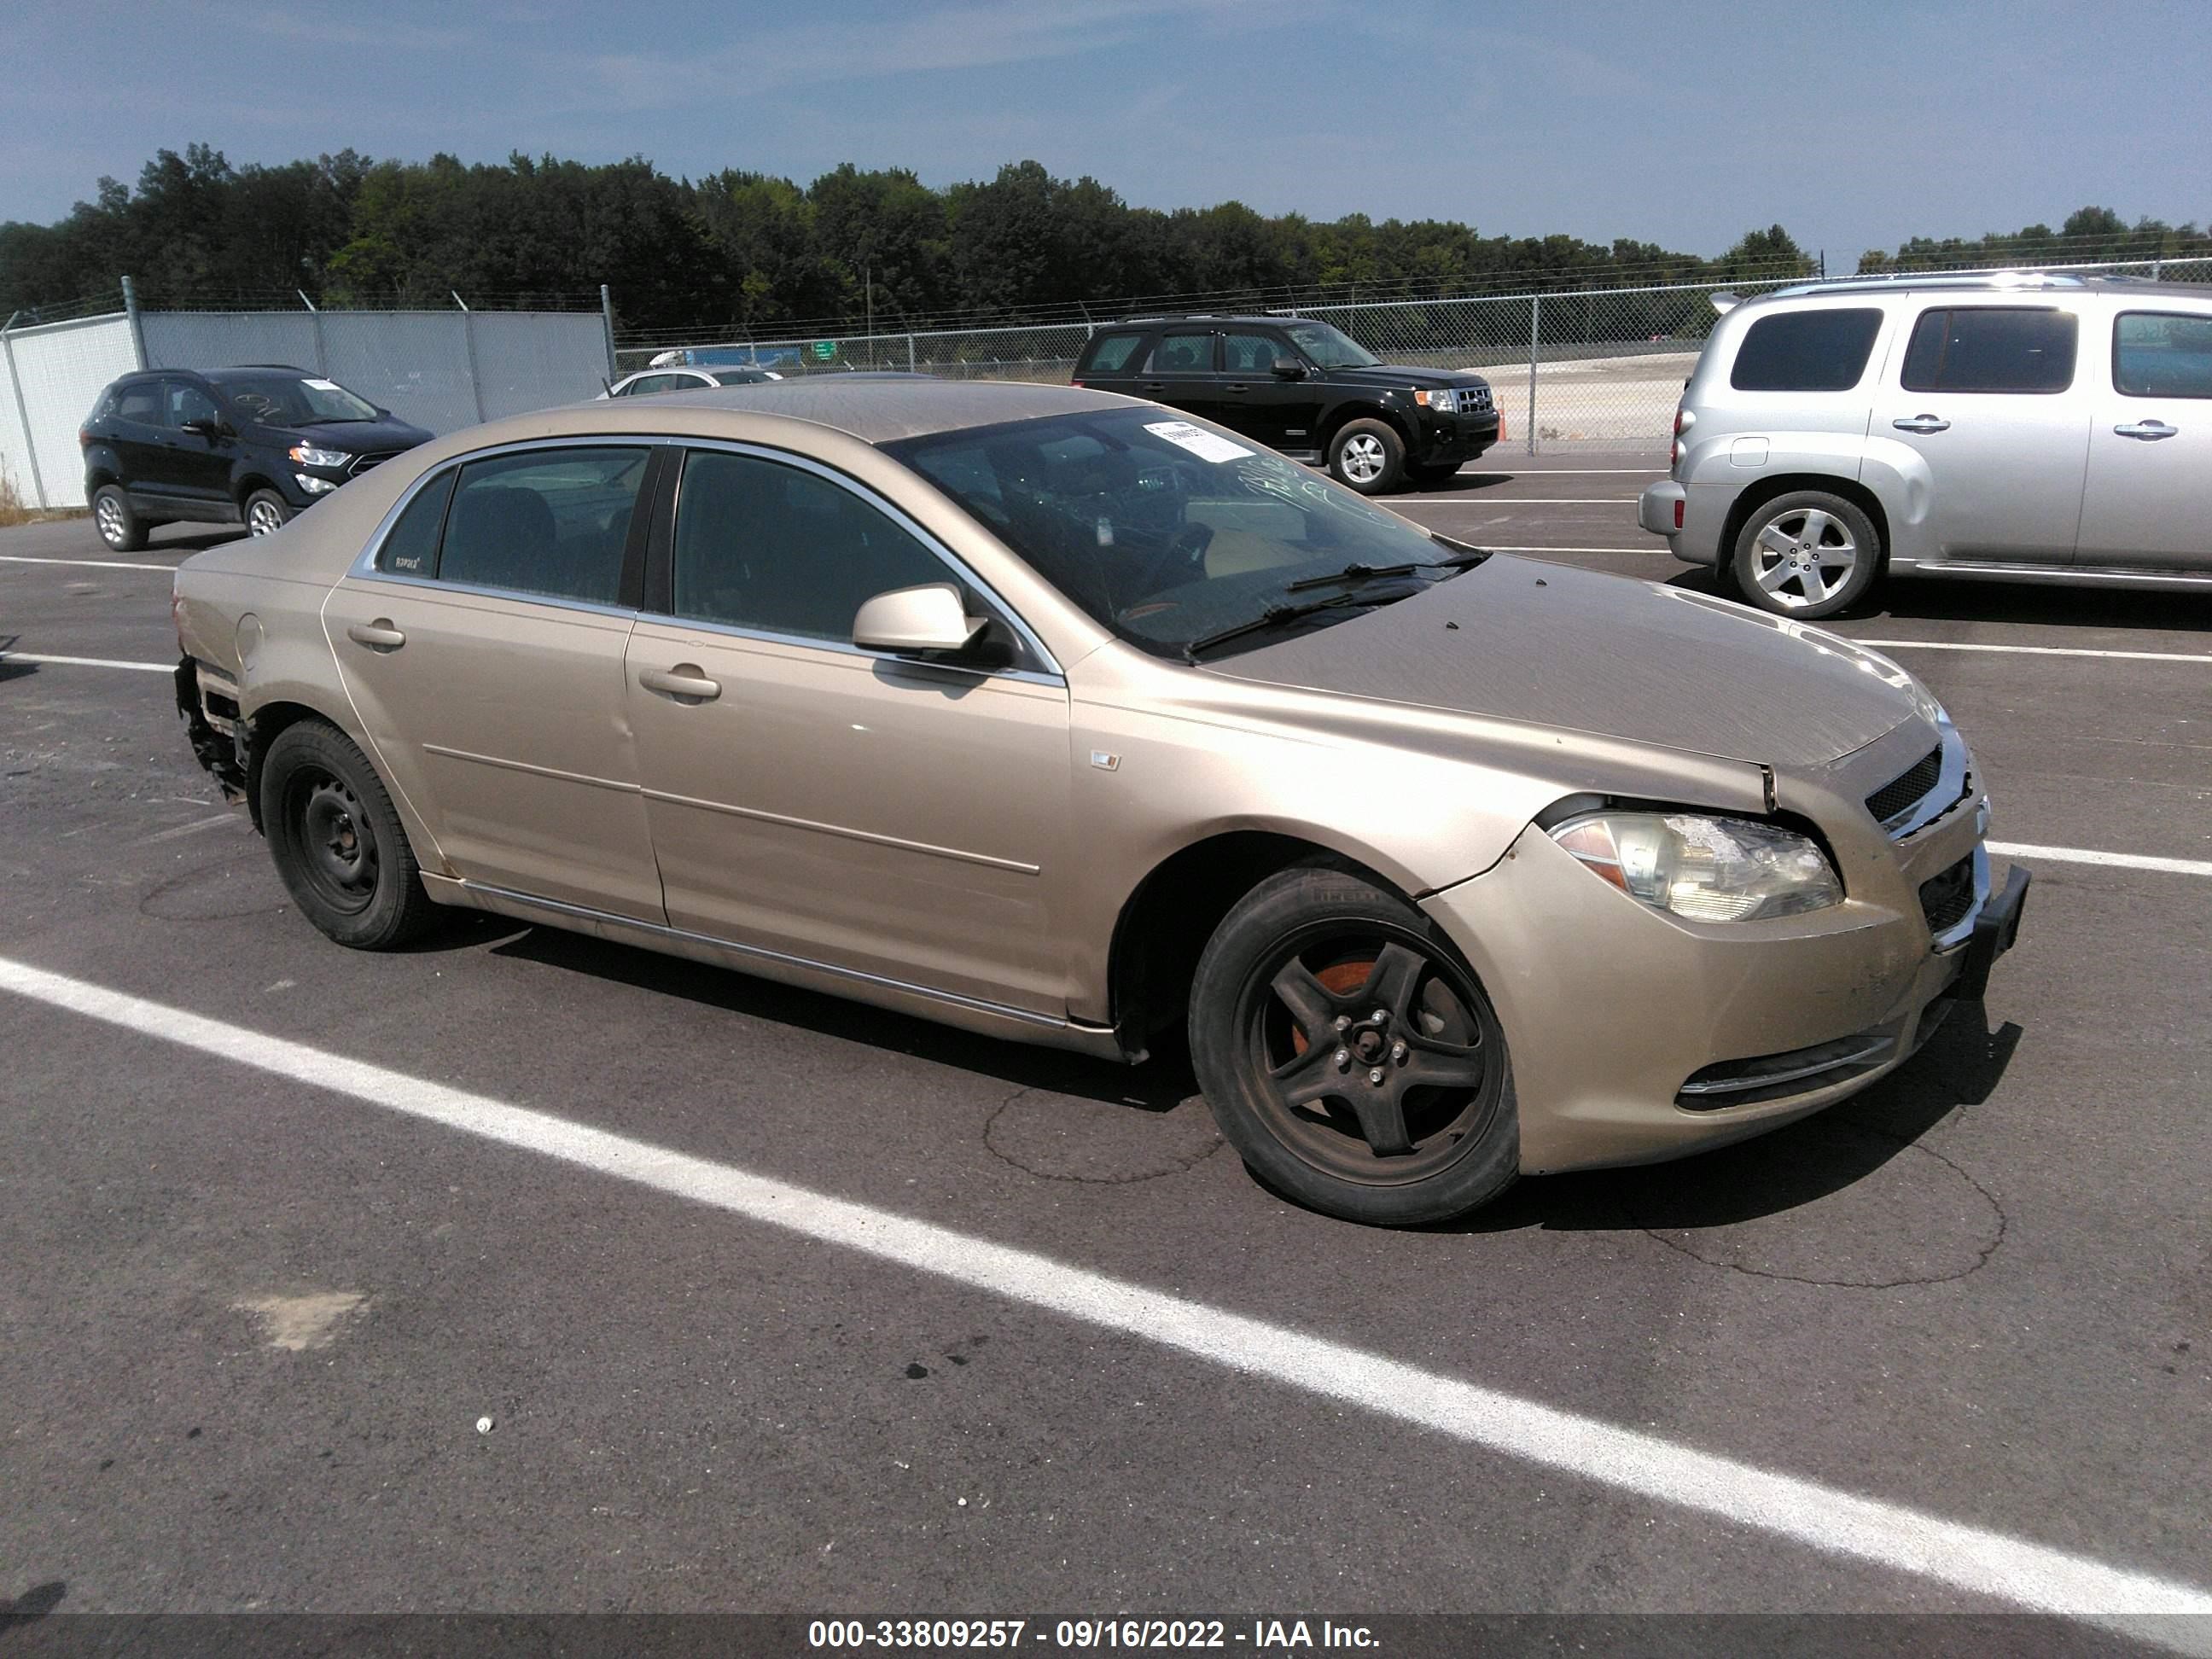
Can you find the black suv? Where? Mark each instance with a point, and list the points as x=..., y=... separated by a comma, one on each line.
x=1303, y=388
x=231, y=445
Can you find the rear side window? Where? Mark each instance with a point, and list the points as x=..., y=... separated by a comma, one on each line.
x=1184, y=354
x=2162, y=354
x=553, y=522
x=140, y=402
x=1991, y=349
x=411, y=549
x=1114, y=352
x=1806, y=351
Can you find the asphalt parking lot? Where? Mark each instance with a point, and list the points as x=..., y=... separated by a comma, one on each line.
x=279, y=1335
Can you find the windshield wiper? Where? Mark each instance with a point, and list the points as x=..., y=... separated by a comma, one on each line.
x=1274, y=616
x=1368, y=573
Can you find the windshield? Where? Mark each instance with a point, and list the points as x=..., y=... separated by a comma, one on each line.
x=1330, y=349
x=287, y=400
x=1166, y=531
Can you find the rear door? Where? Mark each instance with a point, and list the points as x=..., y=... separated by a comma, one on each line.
x=1181, y=372
x=482, y=641
x=1987, y=395
x=138, y=431
x=2148, y=499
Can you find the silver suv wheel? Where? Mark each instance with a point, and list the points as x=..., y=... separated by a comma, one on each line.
x=1363, y=457
x=1807, y=555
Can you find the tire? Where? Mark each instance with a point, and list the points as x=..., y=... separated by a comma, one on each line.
x=1368, y=456
x=338, y=842
x=1427, y=477
x=120, y=527
x=1807, y=555
x=1294, y=1090
x=267, y=512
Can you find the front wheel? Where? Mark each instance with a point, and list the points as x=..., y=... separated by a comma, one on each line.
x=267, y=512
x=1350, y=1056
x=337, y=840
x=1368, y=456
x=1807, y=555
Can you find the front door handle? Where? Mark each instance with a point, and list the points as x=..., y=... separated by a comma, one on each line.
x=686, y=683
x=1156, y=386
x=1922, y=423
x=379, y=635
x=1235, y=386
x=2149, y=431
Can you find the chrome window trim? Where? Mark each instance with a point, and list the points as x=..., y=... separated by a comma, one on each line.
x=1052, y=674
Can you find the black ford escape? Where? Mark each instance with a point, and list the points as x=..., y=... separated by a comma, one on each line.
x=231, y=445
x=1304, y=388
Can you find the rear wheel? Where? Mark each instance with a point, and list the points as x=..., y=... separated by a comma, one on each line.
x=1368, y=456
x=1350, y=1056
x=120, y=527
x=1807, y=555
x=338, y=842
x=267, y=512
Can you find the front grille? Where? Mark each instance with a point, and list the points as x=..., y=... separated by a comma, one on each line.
x=1945, y=899
x=362, y=463
x=1474, y=400
x=1901, y=792
x=1777, y=1077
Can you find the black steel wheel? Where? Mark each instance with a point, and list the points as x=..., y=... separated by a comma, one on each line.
x=1349, y=1055
x=337, y=840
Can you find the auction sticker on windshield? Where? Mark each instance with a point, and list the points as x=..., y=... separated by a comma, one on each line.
x=1201, y=442
x=324, y=386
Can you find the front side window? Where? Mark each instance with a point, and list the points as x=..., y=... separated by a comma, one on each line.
x=1114, y=353
x=1251, y=353
x=1330, y=348
x=1168, y=533
x=1806, y=351
x=188, y=402
x=551, y=522
x=1184, y=354
x=296, y=400
x=778, y=548
x=1991, y=349
x=2162, y=354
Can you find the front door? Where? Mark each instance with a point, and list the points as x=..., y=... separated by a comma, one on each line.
x=1280, y=413
x=2148, y=500
x=881, y=815
x=1986, y=395
x=483, y=645
x=199, y=458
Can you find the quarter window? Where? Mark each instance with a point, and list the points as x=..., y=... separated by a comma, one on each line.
x=1806, y=351
x=553, y=522
x=763, y=545
x=1114, y=352
x=411, y=549
x=1184, y=354
x=1251, y=353
x=2162, y=354
x=1991, y=349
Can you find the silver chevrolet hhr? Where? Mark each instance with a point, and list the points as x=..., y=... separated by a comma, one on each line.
x=2018, y=426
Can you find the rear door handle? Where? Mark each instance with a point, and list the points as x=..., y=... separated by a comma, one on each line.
x=685, y=682
x=379, y=635
x=2149, y=431
x=1237, y=386
x=1156, y=386
x=1923, y=424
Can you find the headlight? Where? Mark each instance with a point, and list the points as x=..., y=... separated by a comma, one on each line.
x=308, y=455
x=1444, y=401
x=1705, y=869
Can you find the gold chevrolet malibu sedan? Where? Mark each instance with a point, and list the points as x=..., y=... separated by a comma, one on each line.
x=1061, y=717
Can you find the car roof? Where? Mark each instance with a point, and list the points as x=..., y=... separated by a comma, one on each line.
x=250, y=372
x=880, y=408
x=1211, y=317
x=1988, y=281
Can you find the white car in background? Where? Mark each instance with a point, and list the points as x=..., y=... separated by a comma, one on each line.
x=686, y=377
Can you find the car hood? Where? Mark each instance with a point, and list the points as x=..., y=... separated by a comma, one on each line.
x=354, y=437
x=1402, y=375
x=1549, y=645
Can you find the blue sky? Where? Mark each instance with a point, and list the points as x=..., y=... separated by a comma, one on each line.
x=1853, y=122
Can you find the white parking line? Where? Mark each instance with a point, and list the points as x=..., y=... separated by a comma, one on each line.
x=1494, y=547
x=2013, y=849
x=88, y=662
x=1537, y=501
x=1654, y=472
x=2037, y=650
x=190, y=829
x=1971, y=1558
x=96, y=564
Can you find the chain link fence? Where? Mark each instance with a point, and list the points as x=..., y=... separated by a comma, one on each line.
x=1597, y=368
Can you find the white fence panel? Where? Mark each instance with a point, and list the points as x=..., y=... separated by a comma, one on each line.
x=60, y=370
x=538, y=360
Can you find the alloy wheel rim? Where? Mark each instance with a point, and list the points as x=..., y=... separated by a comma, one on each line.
x=1796, y=552
x=1377, y=1058
x=262, y=519
x=1363, y=457
x=110, y=515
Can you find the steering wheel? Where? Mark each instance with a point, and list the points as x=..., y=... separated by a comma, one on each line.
x=1182, y=560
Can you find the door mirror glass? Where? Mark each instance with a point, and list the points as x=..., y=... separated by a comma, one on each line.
x=909, y=620
x=1289, y=369
x=206, y=425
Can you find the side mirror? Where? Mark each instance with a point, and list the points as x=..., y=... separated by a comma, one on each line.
x=206, y=425
x=1289, y=369
x=909, y=620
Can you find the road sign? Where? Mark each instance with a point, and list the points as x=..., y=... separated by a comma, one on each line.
x=825, y=350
